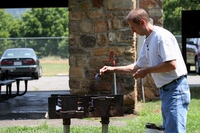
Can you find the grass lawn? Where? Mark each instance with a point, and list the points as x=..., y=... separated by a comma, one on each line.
x=148, y=112
x=52, y=66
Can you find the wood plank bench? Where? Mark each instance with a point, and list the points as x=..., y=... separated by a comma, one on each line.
x=8, y=84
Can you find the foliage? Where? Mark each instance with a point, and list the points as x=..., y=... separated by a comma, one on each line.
x=16, y=12
x=63, y=48
x=172, y=13
x=46, y=22
x=37, y=22
x=6, y=23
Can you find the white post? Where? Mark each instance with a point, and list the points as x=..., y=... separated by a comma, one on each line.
x=115, y=84
x=143, y=94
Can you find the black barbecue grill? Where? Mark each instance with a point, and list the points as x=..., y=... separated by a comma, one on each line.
x=84, y=106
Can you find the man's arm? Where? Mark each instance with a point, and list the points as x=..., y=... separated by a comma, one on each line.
x=129, y=69
x=160, y=68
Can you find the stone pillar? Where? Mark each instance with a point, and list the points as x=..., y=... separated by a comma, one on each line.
x=95, y=28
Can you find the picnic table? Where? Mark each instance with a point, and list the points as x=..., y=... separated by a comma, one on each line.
x=8, y=85
x=25, y=79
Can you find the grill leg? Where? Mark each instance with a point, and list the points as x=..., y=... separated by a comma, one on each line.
x=66, y=125
x=105, y=121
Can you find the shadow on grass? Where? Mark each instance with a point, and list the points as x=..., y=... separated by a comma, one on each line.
x=195, y=92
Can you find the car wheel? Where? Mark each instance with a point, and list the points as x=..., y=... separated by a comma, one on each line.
x=197, y=69
x=40, y=72
x=2, y=77
x=36, y=75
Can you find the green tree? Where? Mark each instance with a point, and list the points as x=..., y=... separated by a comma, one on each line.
x=45, y=22
x=172, y=13
x=30, y=26
x=63, y=48
x=15, y=29
x=6, y=26
x=6, y=23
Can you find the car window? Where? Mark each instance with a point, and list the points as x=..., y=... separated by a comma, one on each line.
x=198, y=41
x=19, y=53
x=10, y=55
x=195, y=40
x=26, y=53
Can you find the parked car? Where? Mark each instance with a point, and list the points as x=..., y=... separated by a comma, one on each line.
x=193, y=54
x=20, y=62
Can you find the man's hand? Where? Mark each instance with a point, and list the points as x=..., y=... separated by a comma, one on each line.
x=106, y=69
x=140, y=73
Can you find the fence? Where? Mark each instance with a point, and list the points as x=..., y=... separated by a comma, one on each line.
x=45, y=46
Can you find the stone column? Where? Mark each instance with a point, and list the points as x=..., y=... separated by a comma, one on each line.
x=97, y=27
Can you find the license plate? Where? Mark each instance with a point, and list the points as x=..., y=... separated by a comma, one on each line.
x=17, y=63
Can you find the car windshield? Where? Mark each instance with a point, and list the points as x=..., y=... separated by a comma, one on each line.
x=18, y=53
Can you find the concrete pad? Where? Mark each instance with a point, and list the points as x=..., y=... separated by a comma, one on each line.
x=34, y=104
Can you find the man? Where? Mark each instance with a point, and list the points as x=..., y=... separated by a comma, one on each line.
x=161, y=57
